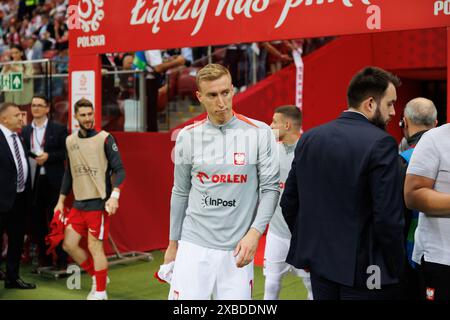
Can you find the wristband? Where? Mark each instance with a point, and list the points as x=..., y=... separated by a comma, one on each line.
x=115, y=195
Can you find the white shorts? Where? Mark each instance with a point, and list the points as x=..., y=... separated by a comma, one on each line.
x=201, y=273
x=275, y=253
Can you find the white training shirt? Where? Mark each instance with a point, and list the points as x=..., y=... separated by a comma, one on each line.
x=278, y=225
x=431, y=159
x=218, y=173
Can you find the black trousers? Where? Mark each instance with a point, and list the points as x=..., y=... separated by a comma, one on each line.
x=436, y=281
x=152, y=86
x=236, y=61
x=45, y=197
x=324, y=289
x=411, y=282
x=13, y=222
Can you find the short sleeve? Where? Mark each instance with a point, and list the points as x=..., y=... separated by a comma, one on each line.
x=425, y=158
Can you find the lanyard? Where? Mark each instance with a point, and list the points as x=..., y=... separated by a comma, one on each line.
x=34, y=134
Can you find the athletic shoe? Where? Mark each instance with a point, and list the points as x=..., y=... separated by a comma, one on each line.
x=97, y=296
x=94, y=287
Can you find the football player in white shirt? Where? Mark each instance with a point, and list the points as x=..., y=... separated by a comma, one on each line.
x=286, y=124
x=221, y=163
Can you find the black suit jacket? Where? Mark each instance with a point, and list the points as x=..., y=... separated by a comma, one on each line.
x=55, y=146
x=8, y=176
x=343, y=203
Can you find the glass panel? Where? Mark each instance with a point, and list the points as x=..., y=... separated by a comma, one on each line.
x=121, y=102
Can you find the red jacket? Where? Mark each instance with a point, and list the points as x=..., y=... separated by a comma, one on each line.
x=56, y=234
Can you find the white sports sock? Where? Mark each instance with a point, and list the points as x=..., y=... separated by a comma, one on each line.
x=272, y=289
x=100, y=295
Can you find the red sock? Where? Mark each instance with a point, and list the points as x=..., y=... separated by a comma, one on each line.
x=100, y=279
x=88, y=266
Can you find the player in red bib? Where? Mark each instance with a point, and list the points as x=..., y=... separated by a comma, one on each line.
x=93, y=157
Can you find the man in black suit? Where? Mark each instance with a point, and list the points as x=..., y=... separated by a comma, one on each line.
x=342, y=200
x=45, y=141
x=14, y=191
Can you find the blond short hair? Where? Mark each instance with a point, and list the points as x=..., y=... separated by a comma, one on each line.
x=211, y=72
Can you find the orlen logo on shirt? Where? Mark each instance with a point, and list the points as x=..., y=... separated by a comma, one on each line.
x=222, y=178
x=207, y=201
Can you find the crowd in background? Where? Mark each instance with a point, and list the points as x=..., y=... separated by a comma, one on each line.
x=38, y=26
x=31, y=30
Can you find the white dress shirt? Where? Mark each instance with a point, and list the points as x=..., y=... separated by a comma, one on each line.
x=37, y=140
x=154, y=58
x=8, y=134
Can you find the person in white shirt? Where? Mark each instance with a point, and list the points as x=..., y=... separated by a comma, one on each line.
x=223, y=164
x=286, y=124
x=14, y=191
x=46, y=142
x=152, y=62
x=427, y=189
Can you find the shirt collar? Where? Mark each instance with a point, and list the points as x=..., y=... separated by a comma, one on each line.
x=89, y=133
x=222, y=126
x=6, y=131
x=415, y=137
x=33, y=124
x=290, y=147
x=357, y=112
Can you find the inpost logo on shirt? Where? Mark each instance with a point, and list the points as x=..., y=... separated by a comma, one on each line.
x=208, y=201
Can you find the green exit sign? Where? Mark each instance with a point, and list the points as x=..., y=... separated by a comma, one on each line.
x=11, y=81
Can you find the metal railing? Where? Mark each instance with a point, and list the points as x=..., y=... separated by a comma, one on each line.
x=124, y=96
x=124, y=92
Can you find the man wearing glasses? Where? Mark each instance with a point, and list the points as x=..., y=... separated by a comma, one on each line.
x=45, y=141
